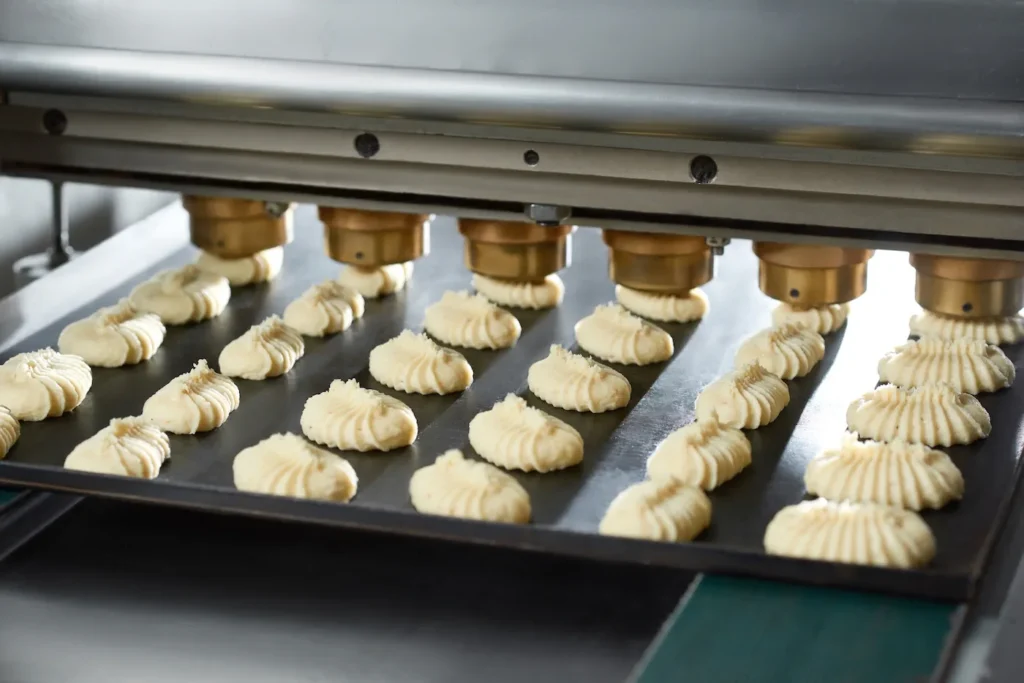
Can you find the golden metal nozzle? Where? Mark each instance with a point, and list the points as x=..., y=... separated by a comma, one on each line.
x=510, y=250
x=811, y=275
x=374, y=238
x=657, y=262
x=236, y=228
x=968, y=287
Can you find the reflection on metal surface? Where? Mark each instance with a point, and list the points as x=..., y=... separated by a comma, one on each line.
x=236, y=228
x=656, y=262
x=374, y=238
x=510, y=250
x=810, y=275
x=969, y=288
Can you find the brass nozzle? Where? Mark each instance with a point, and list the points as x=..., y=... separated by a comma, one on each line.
x=811, y=275
x=236, y=228
x=374, y=238
x=510, y=250
x=657, y=262
x=968, y=287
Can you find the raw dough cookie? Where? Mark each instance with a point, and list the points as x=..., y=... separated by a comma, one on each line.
x=326, y=308
x=377, y=282
x=41, y=384
x=517, y=437
x=129, y=447
x=266, y=350
x=351, y=418
x=705, y=454
x=571, y=382
x=288, y=465
x=747, y=398
x=456, y=487
x=263, y=266
x=823, y=320
x=413, y=363
x=970, y=365
x=901, y=474
x=464, y=319
x=114, y=336
x=664, y=307
x=614, y=334
x=10, y=430
x=786, y=351
x=852, y=533
x=198, y=401
x=935, y=415
x=665, y=510
x=185, y=295
x=545, y=294
x=1008, y=330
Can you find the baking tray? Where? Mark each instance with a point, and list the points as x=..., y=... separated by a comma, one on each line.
x=567, y=505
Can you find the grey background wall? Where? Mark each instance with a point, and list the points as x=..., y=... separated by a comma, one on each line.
x=95, y=214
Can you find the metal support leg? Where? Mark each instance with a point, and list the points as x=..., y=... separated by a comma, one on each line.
x=35, y=266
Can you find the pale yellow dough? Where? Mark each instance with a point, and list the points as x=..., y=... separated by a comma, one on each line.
x=901, y=474
x=413, y=363
x=569, y=381
x=377, y=282
x=198, y=401
x=705, y=454
x=664, y=307
x=1008, y=330
x=471, y=321
x=128, y=447
x=517, y=437
x=823, y=320
x=456, y=487
x=39, y=384
x=326, y=308
x=288, y=465
x=969, y=365
x=851, y=533
x=10, y=431
x=660, y=510
x=114, y=336
x=746, y=398
x=184, y=295
x=263, y=266
x=935, y=415
x=269, y=349
x=614, y=334
x=786, y=351
x=351, y=418
x=547, y=293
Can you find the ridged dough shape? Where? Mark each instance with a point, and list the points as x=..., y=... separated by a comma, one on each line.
x=572, y=382
x=10, y=431
x=263, y=266
x=970, y=365
x=377, y=282
x=129, y=447
x=703, y=453
x=415, y=364
x=851, y=533
x=658, y=510
x=614, y=334
x=268, y=349
x=664, y=307
x=351, y=418
x=471, y=321
x=935, y=415
x=326, y=308
x=184, y=295
x=1008, y=330
x=547, y=293
x=901, y=474
x=786, y=351
x=114, y=336
x=517, y=437
x=456, y=487
x=199, y=400
x=288, y=465
x=39, y=384
x=823, y=320
x=746, y=398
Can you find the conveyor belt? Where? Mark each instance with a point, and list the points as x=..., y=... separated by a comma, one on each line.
x=567, y=505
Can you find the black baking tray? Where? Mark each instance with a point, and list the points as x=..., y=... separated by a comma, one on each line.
x=567, y=505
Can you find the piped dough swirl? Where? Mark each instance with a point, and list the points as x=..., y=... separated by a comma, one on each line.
x=746, y=398
x=39, y=384
x=614, y=334
x=263, y=266
x=268, y=349
x=658, y=510
x=823, y=319
x=197, y=401
x=703, y=453
x=325, y=308
x=935, y=415
x=10, y=431
x=128, y=447
x=184, y=295
x=667, y=308
x=1008, y=330
x=415, y=364
x=456, y=487
x=374, y=283
x=786, y=351
x=569, y=381
x=114, y=336
x=288, y=465
x=547, y=293
x=517, y=437
x=471, y=321
x=970, y=365
x=352, y=418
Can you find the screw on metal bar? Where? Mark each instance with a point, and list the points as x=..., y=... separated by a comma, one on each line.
x=547, y=214
x=367, y=145
x=531, y=157
x=703, y=170
x=718, y=244
x=55, y=122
